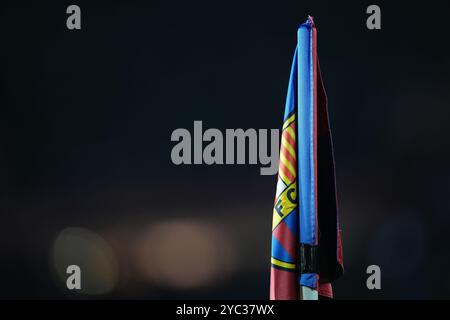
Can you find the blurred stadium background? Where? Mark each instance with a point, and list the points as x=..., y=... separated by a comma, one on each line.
x=85, y=170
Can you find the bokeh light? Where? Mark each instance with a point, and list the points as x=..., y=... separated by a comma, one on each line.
x=89, y=251
x=184, y=254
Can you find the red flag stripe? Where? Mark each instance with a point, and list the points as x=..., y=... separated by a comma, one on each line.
x=288, y=156
x=288, y=139
x=286, y=238
x=283, y=285
x=286, y=172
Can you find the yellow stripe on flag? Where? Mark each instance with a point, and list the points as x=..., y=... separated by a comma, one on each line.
x=288, y=147
x=291, y=132
x=287, y=164
x=288, y=121
x=282, y=264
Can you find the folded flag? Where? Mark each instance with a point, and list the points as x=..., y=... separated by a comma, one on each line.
x=306, y=242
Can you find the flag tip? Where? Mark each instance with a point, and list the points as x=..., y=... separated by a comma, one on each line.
x=311, y=20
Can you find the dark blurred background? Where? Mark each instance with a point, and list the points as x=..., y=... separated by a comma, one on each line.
x=86, y=118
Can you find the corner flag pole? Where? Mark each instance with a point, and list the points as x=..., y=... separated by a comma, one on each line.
x=306, y=293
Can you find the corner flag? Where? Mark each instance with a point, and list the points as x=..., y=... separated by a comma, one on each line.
x=306, y=242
